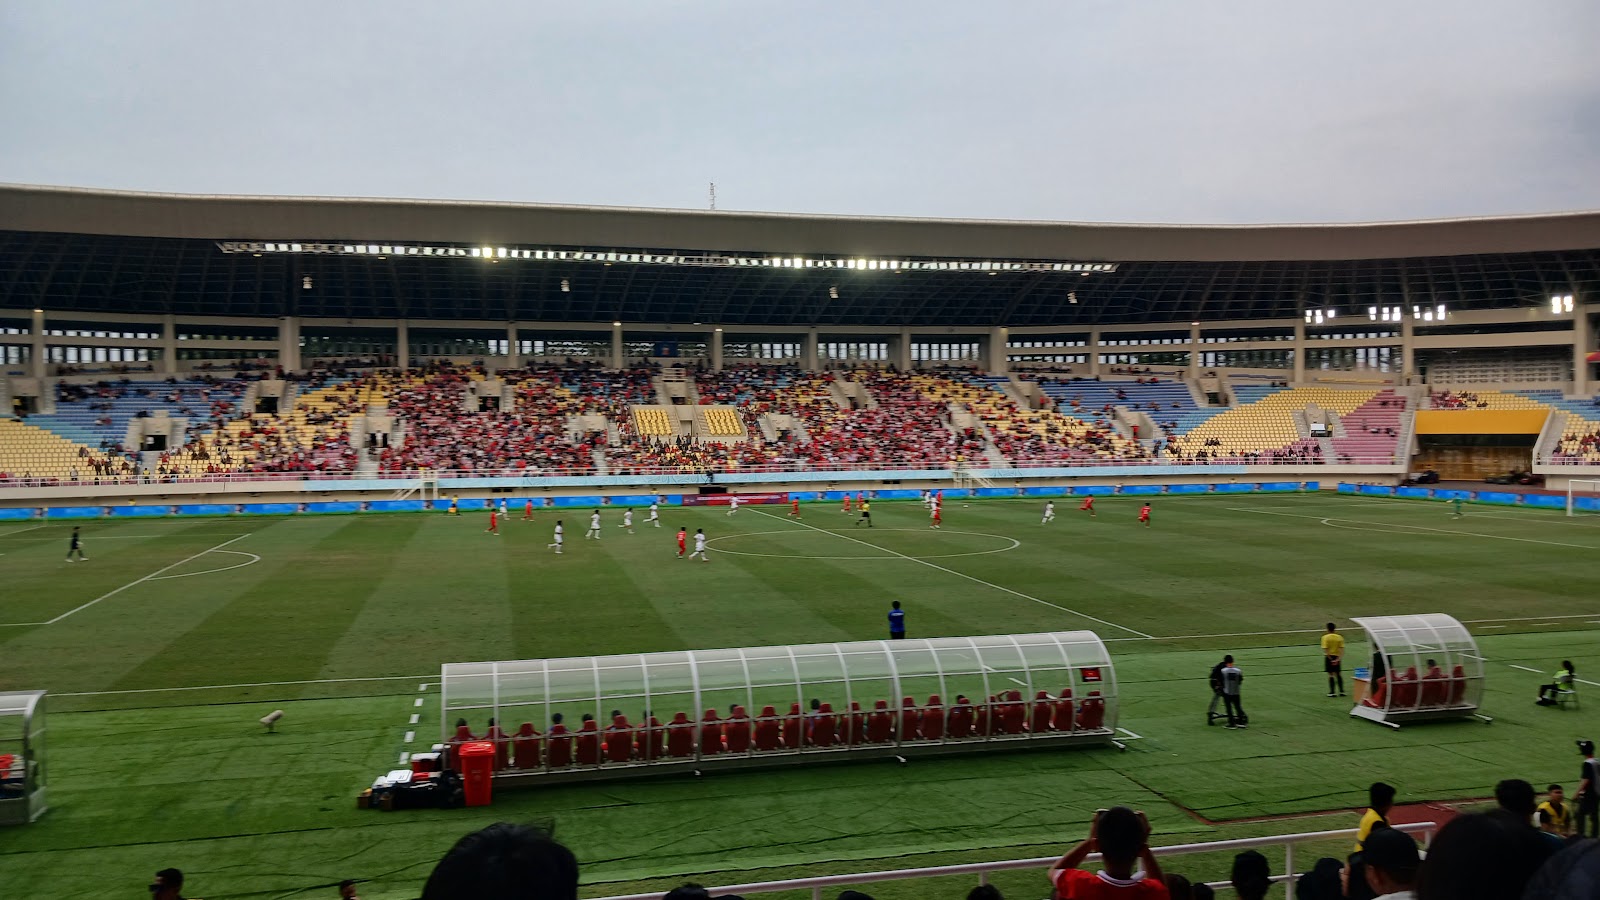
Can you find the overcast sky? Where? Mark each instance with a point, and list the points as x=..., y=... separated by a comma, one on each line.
x=1180, y=111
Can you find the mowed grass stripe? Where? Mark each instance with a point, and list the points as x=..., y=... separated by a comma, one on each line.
x=279, y=624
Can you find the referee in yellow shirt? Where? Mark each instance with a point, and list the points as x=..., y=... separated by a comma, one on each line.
x=1333, y=659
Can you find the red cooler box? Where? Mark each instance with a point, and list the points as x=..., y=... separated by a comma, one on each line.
x=477, y=772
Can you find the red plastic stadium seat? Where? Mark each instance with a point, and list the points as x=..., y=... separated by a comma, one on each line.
x=710, y=733
x=824, y=726
x=619, y=740
x=502, y=746
x=1063, y=711
x=737, y=730
x=1405, y=689
x=960, y=719
x=1014, y=713
x=560, y=741
x=1458, y=686
x=589, y=743
x=680, y=736
x=791, y=727
x=525, y=744
x=463, y=735
x=880, y=724
x=1380, y=689
x=653, y=740
x=933, y=719
x=982, y=721
x=1435, y=690
x=856, y=734
x=1092, y=712
x=767, y=729
x=1043, y=709
x=910, y=724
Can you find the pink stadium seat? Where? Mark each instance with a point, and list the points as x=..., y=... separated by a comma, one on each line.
x=589, y=743
x=880, y=725
x=525, y=747
x=710, y=733
x=933, y=719
x=960, y=725
x=1043, y=709
x=824, y=726
x=910, y=716
x=619, y=740
x=767, y=729
x=1092, y=712
x=680, y=736
x=737, y=731
x=560, y=742
x=1063, y=711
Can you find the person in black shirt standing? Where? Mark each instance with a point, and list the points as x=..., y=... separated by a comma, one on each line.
x=1216, y=693
x=1589, y=793
x=76, y=546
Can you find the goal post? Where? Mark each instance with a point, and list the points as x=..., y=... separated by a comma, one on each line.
x=1583, y=497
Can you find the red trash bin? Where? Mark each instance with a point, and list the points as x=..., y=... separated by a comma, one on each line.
x=477, y=772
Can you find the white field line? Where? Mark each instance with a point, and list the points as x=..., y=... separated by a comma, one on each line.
x=1329, y=520
x=120, y=537
x=1525, y=669
x=249, y=562
x=152, y=575
x=410, y=736
x=988, y=584
x=20, y=530
x=415, y=717
x=219, y=687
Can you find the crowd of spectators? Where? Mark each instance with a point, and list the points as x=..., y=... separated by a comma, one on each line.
x=1457, y=400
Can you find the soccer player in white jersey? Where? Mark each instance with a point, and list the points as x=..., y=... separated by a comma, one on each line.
x=700, y=545
x=557, y=542
x=502, y=507
x=627, y=519
x=733, y=504
x=655, y=515
x=1049, y=512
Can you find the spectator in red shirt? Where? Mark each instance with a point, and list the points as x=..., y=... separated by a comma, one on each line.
x=1122, y=838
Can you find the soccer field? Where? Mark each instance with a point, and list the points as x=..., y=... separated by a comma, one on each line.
x=164, y=647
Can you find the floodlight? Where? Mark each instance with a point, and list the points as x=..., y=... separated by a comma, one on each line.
x=616, y=324
x=833, y=292
x=566, y=286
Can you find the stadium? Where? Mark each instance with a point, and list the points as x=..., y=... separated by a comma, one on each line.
x=351, y=432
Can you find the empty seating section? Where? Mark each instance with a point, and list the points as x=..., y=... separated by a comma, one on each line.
x=1168, y=403
x=722, y=421
x=29, y=452
x=1264, y=430
x=652, y=421
x=1371, y=430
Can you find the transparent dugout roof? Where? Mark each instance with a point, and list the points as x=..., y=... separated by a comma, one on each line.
x=1403, y=648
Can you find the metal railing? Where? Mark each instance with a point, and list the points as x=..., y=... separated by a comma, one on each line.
x=817, y=884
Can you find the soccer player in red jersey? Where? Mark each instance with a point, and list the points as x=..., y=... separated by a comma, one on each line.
x=794, y=508
x=527, y=512
x=1144, y=515
x=1088, y=505
x=938, y=515
x=846, y=504
x=494, y=522
x=683, y=538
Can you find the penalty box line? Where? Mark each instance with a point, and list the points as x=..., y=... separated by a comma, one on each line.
x=971, y=578
x=153, y=575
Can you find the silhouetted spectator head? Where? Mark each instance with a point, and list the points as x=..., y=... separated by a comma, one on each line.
x=1391, y=859
x=505, y=862
x=1380, y=796
x=1202, y=891
x=688, y=891
x=1178, y=887
x=168, y=885
x=1482, y=856
x=984, y=892
x=1572, y=874
x=1120, y=835
x=1322, y=882
x=1516, y=796
x=854, y=895
x=1252, y=876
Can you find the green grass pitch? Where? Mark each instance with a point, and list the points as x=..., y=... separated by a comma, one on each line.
x=163, y=649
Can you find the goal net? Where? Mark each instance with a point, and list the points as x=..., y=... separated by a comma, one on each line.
x=1583, y=498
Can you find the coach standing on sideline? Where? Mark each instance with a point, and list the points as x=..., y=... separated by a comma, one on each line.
x=897, y=622
x=1231, y=679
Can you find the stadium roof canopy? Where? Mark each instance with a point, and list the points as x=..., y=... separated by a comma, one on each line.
x=67, y=249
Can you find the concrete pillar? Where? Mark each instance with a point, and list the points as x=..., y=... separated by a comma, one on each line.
x=36, y=363
x=999, y=363
x=616, y=345
x=1408, y=348
x=402, y=344
x=1094, y=353
x=289, y=343
x=716, y=349
x=808, y=353
x=513, y=357
x=1582, y=340
x=900, y=350
x=169, y=343
x=1299, y=351
x=1194, y=351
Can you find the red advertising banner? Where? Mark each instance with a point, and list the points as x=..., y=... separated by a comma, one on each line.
x=722, y=499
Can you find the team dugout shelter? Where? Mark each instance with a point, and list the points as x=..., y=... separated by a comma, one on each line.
x=1423, y=668
x=22, y=757
x=591, y=717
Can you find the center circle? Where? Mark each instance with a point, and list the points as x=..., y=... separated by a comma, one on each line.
x=867, y=551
